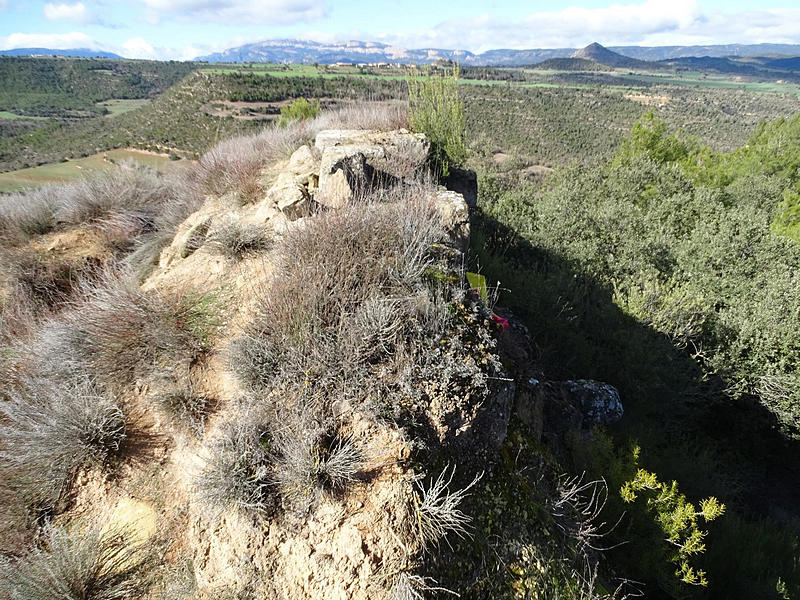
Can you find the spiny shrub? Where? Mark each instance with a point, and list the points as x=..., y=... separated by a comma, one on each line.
x=49, y=432
x=436, y=509
x=255, y=357
x=406, y=586
x=185, y=196
x=51, y=349
x=195, y=239
x=365, y=303
x=129, y=195
x=89, y=564
x=236, y=240
x=19, y=314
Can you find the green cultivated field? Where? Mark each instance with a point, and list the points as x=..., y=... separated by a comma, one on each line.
x=122, y=106
x=72, y=169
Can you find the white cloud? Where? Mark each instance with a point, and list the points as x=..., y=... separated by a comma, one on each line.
x=76, y=12
x=3, y=4
x=58, y=41
x=651, y=22
x=273, y=12
x=139, y=48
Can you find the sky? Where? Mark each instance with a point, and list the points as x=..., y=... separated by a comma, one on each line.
x=184, y=29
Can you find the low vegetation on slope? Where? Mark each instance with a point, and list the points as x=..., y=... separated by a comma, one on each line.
x=178, y=121
x=670, y=272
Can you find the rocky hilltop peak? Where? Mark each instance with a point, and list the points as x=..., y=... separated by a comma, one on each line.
x=303, y=398
x=602, y=55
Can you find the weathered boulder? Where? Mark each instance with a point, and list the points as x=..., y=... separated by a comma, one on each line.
x=190, y=236
x=599, y=402
x=290, y=196
x=558, y=407
x=455, y=216
x=344, y=174
x=341, y=137
x=304, y=165
x=303, y=161
x=398, y=153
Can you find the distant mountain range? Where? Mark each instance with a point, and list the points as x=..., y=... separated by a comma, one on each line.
x=772, y=56
x=595, y=57
x=298, y=51
x=305, y=52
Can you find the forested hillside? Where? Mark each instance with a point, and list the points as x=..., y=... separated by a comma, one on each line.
x=181, y=120
x=671, y=272
x=55, y=87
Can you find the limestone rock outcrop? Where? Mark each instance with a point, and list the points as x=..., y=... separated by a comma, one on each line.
x=338, y=168
x=352, y=161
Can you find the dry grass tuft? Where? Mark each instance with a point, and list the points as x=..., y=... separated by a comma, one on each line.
x=311, y=457
x=238, y=471
x=124, y=201
x=186, y=407
x=123, y=332
x=381, y=116
x=88, y=564
x=237, y=240
x=436, y=509
x=50, y=431
x=235, y=165
x=349, y=289
x=48, y=281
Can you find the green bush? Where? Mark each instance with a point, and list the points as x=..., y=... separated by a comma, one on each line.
x=299, y=110
x=677, y=518
x=661, y=274
x=435, y=109
x=787, y=221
